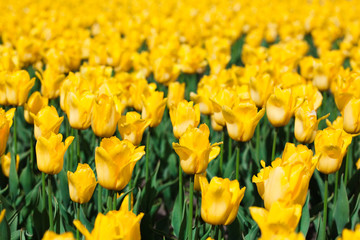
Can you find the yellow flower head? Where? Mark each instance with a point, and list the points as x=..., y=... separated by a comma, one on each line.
x=79, y=109
x=175, y=94
x=46, y=121
x=348, y=234
x=132, y=127
x=154, y=107
x=183, y=116
x=49, y=235
x=18, y=86
x=351, y=116
x=6, y=120
x=35, y=103
x=6, y=161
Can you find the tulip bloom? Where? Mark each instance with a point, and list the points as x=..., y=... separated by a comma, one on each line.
x=242, y=119
x=6, y=161
x=46, y=121
x=195, y=151
x=49, y=235
x=184, y=115
x=202, y=97
x=154, y=107
x=6, y=120
x=79, y=110
x=104, y=117
x=348, y=234
x=220, y=200
x=332, y=144
x=50, y=153
x=351, y=114
x=35, y=103
x=114, y=225
x=51, y=80
x=18, y=85
x=82, y=183
x=132, y=127
x=279, y=222
x=175, y=93
x=261, y=88
x=115, y=161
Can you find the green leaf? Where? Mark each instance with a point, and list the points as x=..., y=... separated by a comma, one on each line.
x=305, y=217
x=320, y=231
x=253, y=232
x=342, y=211
x=13, y=178
x=4, y=230
x=26, y=178
x=64, y=188
x=176, y=216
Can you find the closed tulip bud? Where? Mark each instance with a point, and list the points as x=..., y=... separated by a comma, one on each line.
x=104, y=117
x=114, y=225
x=115, y=161
x=280, y=107
x=35, y=103
x=220, y=200
x=6, y=161
x=306, y=123
x=2, y=215
x=49, y=235
x=6, y=120
x=348, y=234
x=82, y=183
x=50, y=153
x=18, y=86
x=351, y=116
x=132, y=127
x=153, y=108
x=195, y=151
x=175, y=93
x=332, y=144
x=279, y=222
x=46, y=121
x=79, y=110
x=242, y=119
x=184, y=115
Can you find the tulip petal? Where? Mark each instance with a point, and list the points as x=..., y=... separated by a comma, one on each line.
x=82, y=229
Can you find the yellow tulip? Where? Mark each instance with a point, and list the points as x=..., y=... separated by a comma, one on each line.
x=154, y=107
x=104, y=117
x=50, y=152
x=195, y=151
x=115, y=161
x=6, y=120
x=184, y=115
x=215, y=125
x=332, y=144
x=2, y=215
x=358, y=164
x=46, y=121
x=82, y=183
x=220, y=200
x=338, y=123
x=79, y=109
x=6, y=161
x=280, y=107
x=49, y=235
x=132, y=127
x=51, y=80
x=351, y=114
x=125, y=202
x=114, y=225
x=18, y=86
x=261, y=88
x=165, y=69
x=308, y=92
x=197, y=177
x=242, y=119
x=175, y=93
x=202, y=97
x=279, y=222
x=306, y=123
x=35, y=103
x=348, y=234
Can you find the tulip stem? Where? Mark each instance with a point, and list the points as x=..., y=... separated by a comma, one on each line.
x=78, y=218
x=51, y=217
x=180, y=186
x=32, y=151
x=325, y=206
x=237, y=162
x=219, y=232
x=71, y=151
x=347, y=164
x=114, y=195
x=230, y=149
x=43, y=188
x=258, y=143
x=274, y=144
x=110, y=200
x=78, y=146
x=221, y=154
x=99, y=198
x=336, y=186
x=15, y=137
x=190, y=216
x=130, y=193
x=147, y=153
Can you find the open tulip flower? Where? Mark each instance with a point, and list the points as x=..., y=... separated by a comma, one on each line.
x=50, y=235
x=6, y=120
x=122, y=224
x=195, y=151
x=50, y=153
x=351, y=114
x=242, y=120
x=51, y=80
x=175, y=93
x=46, y=121
x=154, y=107
x=18, y=86
x=79, y=109
x=184, y=115
x=82, y=183
x=132, y=127
x=35, y=103
x=279, y=222
x=332, y=144
x=220, y=200
x=348, y=234
x=115, y=161
x=6, y=161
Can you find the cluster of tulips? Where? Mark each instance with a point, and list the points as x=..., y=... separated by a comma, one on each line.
x=81, y=82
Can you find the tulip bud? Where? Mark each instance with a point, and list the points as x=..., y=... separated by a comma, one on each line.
x=6, y=161
x=132, y=127
x=82, y=183
x=183, y=116
x=18, y=86
x=50, y=153
x=175, y=93
x=154, y=107
x=49, y=235
x=220, y=192
x=35, y=103
x=352, y=116
x=79, y=110
x=46, y=121
x=6, y=120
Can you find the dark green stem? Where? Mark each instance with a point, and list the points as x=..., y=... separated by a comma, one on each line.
x=78, y=146
x=219, y=232
x=130, y=193
x=43, y=188
x=325, y=206
x=114, y=200
x=51, y=217
x=347, y=165
x=230, y=149
x=78, y=218
x=274, y=145
x=190, y=216
x=258, y=143
x=180, y=186
x=15, y=136
x=336, y=186
x=147, y=153
x=221, y=154
x=32, y=151
x=237, y=162
x=71, y=151
x=99, y=199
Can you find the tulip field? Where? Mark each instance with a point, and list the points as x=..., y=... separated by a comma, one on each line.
x=180, y=119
